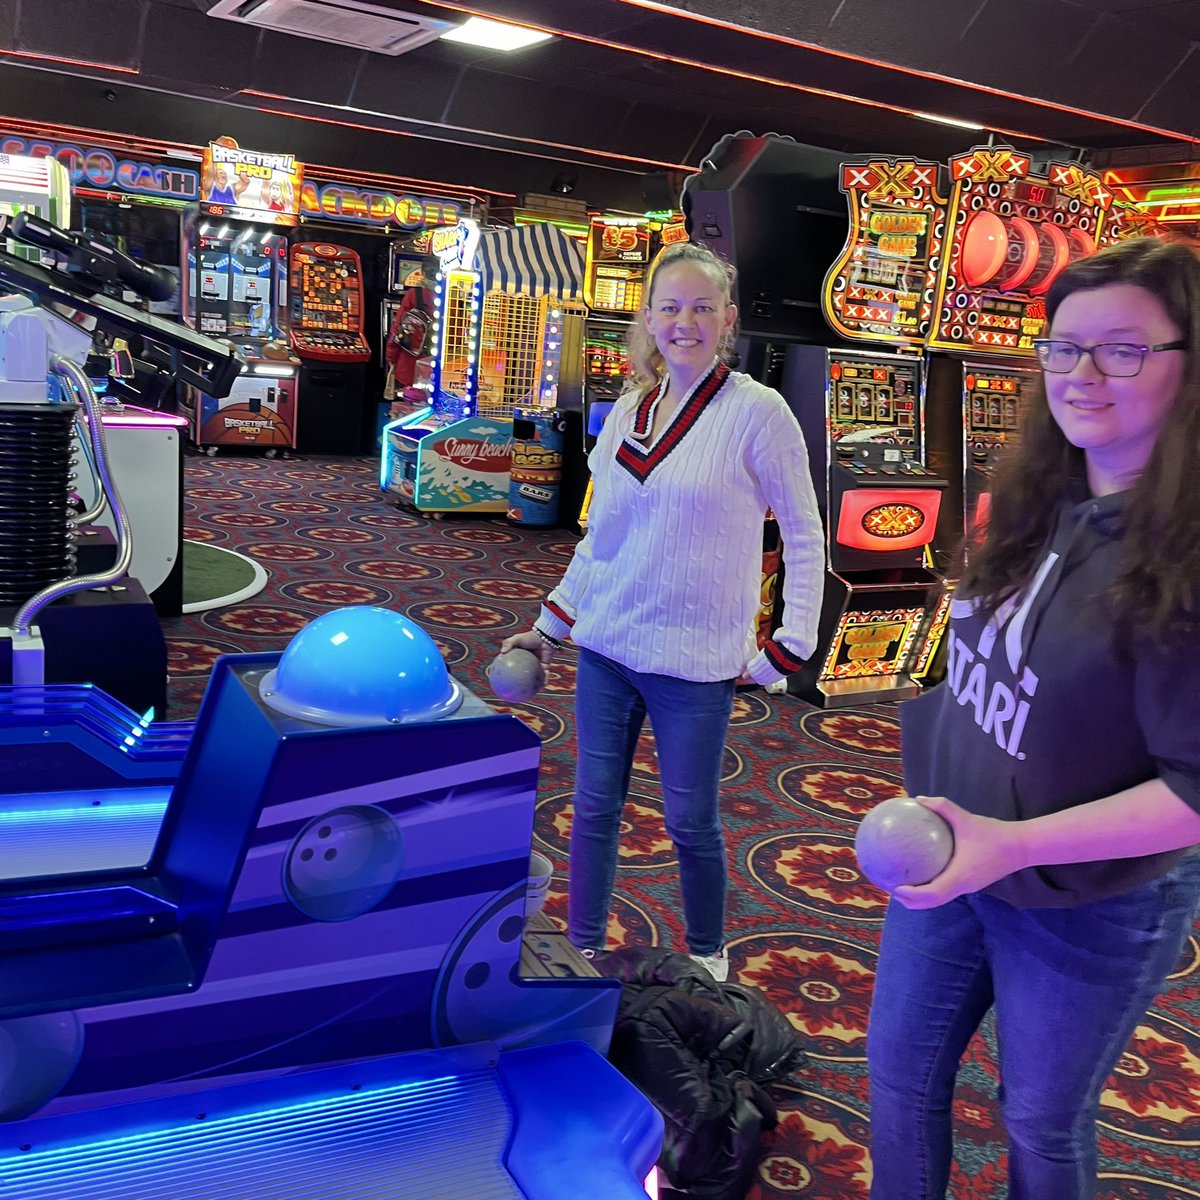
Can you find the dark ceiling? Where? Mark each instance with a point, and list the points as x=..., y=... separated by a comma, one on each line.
x=627, y=88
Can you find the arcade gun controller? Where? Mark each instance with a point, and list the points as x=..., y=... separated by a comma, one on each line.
x=279, y=950
x=50, y=322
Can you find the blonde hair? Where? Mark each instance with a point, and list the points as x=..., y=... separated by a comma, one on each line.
x=646, y=364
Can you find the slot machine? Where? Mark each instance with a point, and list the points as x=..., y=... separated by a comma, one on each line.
x=1009, y=233
x=327, y=304
x=863, y=419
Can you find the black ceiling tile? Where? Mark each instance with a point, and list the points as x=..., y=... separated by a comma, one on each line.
x=1019, y=46
x=510, y=106
x=897, y=33
x=680, y=38
x=219, y=53
x=663, y=134
x=326, y=71
x=1174, y=105
x=806, y=21
x=100, y=33
x=1174, y=16
x=1143, y=60
x=1181, y=17
x=416, y=86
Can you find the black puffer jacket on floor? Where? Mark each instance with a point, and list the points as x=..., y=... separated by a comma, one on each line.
x=702, y=1052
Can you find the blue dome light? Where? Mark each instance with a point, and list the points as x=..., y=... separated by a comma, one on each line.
x=361, y=665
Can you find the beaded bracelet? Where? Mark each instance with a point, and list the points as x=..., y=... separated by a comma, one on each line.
x=548, y=639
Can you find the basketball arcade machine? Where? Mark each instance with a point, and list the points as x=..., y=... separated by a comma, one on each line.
x=236, y=252
x=327, y=305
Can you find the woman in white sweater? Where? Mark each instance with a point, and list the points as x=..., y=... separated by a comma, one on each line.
x=661, y=595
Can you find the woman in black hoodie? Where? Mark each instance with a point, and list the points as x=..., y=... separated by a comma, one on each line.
x=1063, y=747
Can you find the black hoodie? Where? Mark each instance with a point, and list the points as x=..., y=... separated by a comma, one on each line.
x=1040, y=711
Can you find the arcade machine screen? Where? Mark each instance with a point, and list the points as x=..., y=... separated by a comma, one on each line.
x=327, y=304
x=994, y=400
x=237, y=288
x=618, y=256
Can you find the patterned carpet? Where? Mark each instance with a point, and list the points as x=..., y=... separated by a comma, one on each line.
x=802, y=924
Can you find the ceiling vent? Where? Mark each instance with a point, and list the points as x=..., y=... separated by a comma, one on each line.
x=343, y=22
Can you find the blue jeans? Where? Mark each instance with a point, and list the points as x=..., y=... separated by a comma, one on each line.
x=1069, y=986
x=690, y=721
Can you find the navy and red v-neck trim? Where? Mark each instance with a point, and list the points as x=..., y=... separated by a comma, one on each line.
x=640, y=462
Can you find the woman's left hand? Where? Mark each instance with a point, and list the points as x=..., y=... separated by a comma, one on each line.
x=985, y=850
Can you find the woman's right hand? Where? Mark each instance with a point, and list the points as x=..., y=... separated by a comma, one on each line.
x=531, y=641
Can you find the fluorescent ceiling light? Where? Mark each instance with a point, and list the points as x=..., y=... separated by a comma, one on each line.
x=955, y=121
x=495, y=35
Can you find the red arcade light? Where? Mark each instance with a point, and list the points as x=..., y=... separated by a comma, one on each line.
x=887, y=519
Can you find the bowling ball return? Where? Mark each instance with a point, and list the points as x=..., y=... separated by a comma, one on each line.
x=281, y=954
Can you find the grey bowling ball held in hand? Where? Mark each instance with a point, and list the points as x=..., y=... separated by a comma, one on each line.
x=516, y=676
x=900, y=842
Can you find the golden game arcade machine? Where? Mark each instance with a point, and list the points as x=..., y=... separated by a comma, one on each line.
x=863, y=416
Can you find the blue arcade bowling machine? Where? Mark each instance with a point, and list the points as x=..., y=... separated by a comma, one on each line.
x=276, y=953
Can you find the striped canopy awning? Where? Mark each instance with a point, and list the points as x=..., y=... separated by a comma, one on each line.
x=539, y=260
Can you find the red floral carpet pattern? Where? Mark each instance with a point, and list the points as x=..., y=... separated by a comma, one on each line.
x=803, y=925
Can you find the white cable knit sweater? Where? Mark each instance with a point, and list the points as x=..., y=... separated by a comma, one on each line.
x=667, y=579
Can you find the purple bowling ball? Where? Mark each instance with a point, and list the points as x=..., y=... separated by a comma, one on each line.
x=516, y=676
x=901, y=842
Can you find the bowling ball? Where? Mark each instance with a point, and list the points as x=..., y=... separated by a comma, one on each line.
x=516, y=676
x=902, y=842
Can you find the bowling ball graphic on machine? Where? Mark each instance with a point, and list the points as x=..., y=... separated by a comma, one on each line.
x=900, y=841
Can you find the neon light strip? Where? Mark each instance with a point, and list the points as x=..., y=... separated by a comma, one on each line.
x=149, y=421
x=770, y=81
x=698, y=18
x=154, y=148
x=508, y=137
x=70, y=62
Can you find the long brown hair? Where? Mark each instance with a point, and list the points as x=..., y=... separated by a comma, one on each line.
x=1156, y=592
x=646, y=365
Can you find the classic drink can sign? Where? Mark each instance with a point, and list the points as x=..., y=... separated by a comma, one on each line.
x=536, y=474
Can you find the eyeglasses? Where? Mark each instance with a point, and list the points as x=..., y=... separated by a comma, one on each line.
x=1121, y=360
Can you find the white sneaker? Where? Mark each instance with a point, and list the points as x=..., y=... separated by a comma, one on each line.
x=717, y=965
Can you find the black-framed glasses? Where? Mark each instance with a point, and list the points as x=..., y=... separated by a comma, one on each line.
x=1122, y=360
